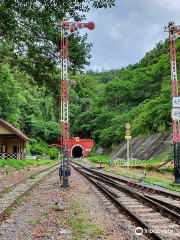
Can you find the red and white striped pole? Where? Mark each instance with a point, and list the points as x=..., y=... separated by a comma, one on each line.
x=174, y=33
x=64, y=108
x=67, y=28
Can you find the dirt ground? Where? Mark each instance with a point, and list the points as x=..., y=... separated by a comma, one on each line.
x=86, y=214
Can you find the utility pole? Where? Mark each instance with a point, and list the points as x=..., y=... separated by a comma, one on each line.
x=67, y=28
x=174, y=33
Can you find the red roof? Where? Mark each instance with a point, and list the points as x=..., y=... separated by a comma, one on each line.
x=53, y=145
x=14, y=130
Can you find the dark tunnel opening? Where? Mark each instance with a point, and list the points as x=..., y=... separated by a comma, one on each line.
x=77, y=152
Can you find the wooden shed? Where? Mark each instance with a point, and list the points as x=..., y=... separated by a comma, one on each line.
x=12, y=142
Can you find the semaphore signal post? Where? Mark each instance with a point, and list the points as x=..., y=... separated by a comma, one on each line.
x=174, y=33
x=67, y=28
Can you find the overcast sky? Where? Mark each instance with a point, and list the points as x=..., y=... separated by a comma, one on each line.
x=129, y=30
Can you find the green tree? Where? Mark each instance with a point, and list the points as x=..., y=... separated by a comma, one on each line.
x=31, y=29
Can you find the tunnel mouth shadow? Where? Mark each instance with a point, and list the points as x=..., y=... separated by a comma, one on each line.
x=77, y=152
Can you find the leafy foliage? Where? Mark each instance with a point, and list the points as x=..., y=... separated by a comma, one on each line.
x=100, y=102
x=139, y=94
x=30, y=30
x=53, y=153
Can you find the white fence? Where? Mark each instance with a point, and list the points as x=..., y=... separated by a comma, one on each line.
x=119, y=162
x=31, y=157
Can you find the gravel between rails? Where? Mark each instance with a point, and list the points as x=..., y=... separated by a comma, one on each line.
x=36, y=218
x=9, y=200
x=18, y=175
x=145, y=212
x=140, y=183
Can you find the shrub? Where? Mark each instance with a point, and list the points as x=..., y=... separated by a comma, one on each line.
x=53, y=153
x=38, y=149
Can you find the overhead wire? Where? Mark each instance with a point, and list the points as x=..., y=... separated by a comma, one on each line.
x=113, y=56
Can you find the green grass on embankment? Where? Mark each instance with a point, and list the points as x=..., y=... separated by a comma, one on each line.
x=96, y=159
x=155, y=161
x=154, y=180
x=147, y=164
x=17, y=164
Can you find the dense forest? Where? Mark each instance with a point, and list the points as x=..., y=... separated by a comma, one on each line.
x=101, y=102
x=30, y=38
x=139, y=94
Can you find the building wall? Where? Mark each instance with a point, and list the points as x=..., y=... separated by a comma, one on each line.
x=4, y=130
x=86, y=145
x=11, y=142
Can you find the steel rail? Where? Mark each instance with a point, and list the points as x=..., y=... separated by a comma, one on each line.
x=17, y=183
x=134, y=216
x=134, y=184
x=160, y=204
x=3, y=213
x=143, y=197
x=144, y=181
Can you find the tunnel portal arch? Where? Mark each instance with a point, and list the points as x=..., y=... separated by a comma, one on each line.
x=77, y=151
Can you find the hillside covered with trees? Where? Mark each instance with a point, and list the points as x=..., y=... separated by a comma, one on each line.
x=100, y=102
x=139, y=94
x=30, y=38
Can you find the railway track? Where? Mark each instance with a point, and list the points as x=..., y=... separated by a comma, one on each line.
x=19, y=182
x=158, y=220
x=10, y=195
x=168, y=198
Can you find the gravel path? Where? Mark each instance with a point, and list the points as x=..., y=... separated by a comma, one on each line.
x=87, y=214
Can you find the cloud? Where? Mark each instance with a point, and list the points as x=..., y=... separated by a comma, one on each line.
x=170, y=4
x=130, y=29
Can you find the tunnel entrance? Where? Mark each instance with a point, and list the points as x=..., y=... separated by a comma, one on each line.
x=77, y=152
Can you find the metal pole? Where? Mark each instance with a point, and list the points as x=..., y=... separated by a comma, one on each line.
x=65, y=108
x=66, y=30
x=174, y=92
x=128, y=155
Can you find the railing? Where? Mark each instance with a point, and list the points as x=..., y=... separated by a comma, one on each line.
x=133, y=162
x=8, y=155
x=20, y=156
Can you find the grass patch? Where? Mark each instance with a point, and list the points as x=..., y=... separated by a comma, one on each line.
x=154, y=179
x=19, y=201
x=45, y=213
x=7, y=190
x=159, y=181
x=81, y=225
x=38, y=221
x=33, y=176
x=7, y=172
x=31, y=222
x=168, y=155
x=9, y=212
x=168, y=169
x=96, y=159
x=162, y=182
x=34, y=162
x=17, y=164
x=34, y=222
x=53, y=207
